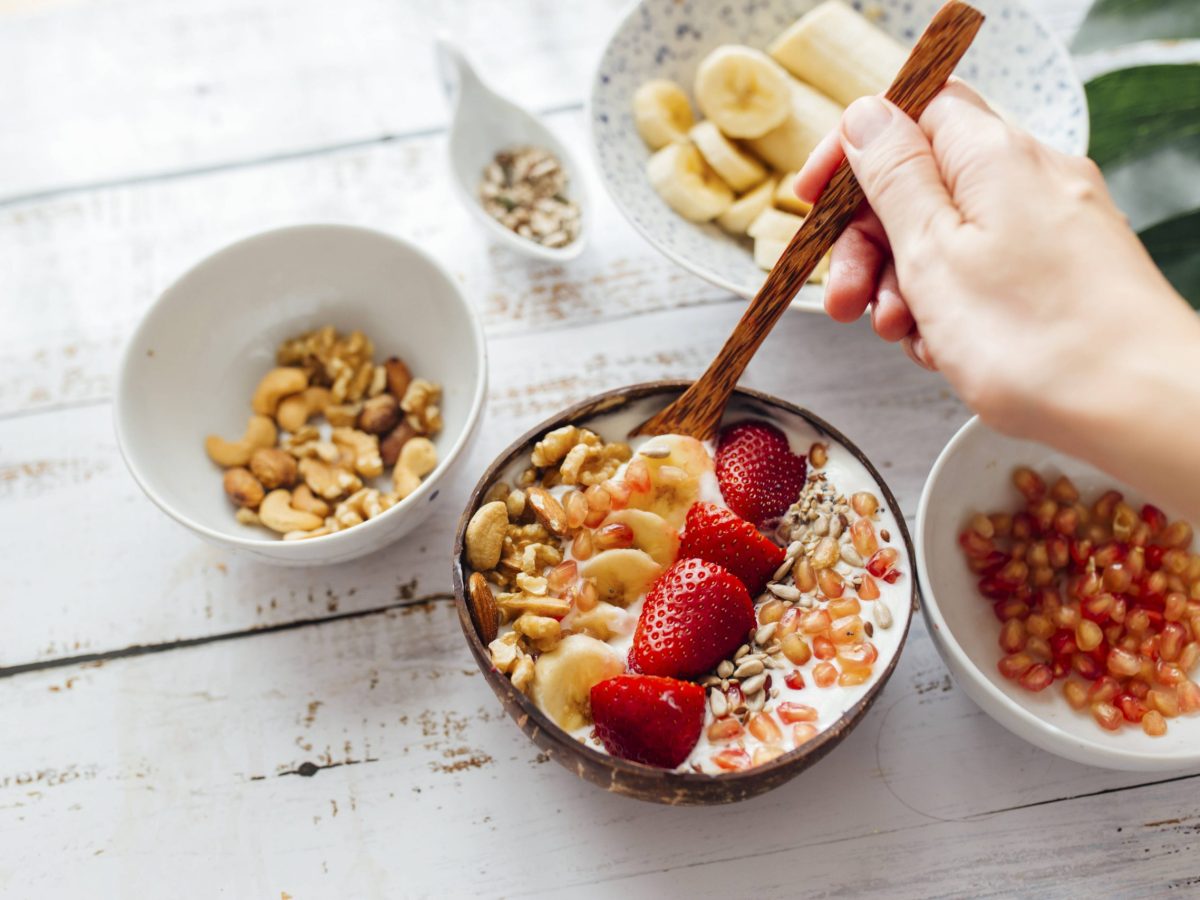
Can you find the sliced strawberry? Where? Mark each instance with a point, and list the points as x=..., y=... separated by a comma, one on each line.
x=717, y=535
x=759, y=475
x=695, y=615
x=648, y=719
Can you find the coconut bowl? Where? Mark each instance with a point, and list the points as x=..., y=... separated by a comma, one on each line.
x=613, y=413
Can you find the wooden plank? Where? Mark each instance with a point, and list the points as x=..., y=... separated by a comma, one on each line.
x=62, y=479
x=120, y=88
x=81, y=269
x=368, y=758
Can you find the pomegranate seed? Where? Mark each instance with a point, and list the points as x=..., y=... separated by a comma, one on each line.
x=822, y=647
x=584, y=595
x=824, y=674
x=1039, y=626
x=790, y=713
x=1043, y=513
x=795, y=649
x=1154, y=517
x=1001, y=524
x=1088, y=635
x=858, y=656
x=1015, y=664
x=1124, y=521
x=804, y=575
x=850, y=679
x=1098, y=608
x=1175, y=606
x=1011, y=609
x=1131, y=707
x=562, y=576
x=815, y=621
x=1106, y=505
x=864, y=503
x=847, y=630
x=1066, y=521
x=862, y=535
x=1059, y=552
x=882, y=562
x=1076, y=694
x=637, y=476
x=595, y=519
x=618, y=493
x=1107, y=554
x=1171, y=641
x=1064, y=491
x=1121, y=662
x=1066, y=617
x=832, y=584
x=1177, y=534
x=1137, y=621
x=1165, y=701
x=1117, y=612
x=1029, y=483
x=582, y=546
x=1107, y=716
x=1080, y=552
x=762, y=726
x=1086, y=666
x=725, y=729
x=1103, y=689
x=1176, y=561
x=802, y=733
x=598, y=499
x=764, y=754
x=1154, y=724
x=1039, y=649
x=847, y=606
x=1152, y=557
x=1137, y=688
x=1037, y=555
x=994, y=589
x=732, y=760
x=617, y=535
x=1062, y=642
x=1012, y=636
x=1189, y=656
x=1087, y=585
x=1167, y=673
x=576, y=507
x=1037, y=678
x=868, y=589
x=1188, y=694
x=1014, y=573
x=794, y=679
x=771, y=611
x=1117, y=578
x=1022, y=526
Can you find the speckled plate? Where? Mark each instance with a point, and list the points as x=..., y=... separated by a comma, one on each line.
x=1015, y=61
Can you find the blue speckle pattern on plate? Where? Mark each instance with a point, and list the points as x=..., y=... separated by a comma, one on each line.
x=1015, y=61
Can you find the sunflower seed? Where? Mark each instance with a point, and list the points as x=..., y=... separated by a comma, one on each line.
x=725, y=669
x=784, y=591
x=659, y=452
x=821, y=525
x=711, y=681
x=850, y=556
x=885, y=535
x=756, y=702
x=883, y=615
x=773, y=648
x=749, y=667
x=782, y=570
x=719, y=703
x=753, y=685
x=741, y=651
x=763, y=636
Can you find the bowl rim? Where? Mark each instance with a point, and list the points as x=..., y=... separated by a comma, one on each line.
x=698, y=268
x=684, y=787
x=1007, y=712
x=328, y=541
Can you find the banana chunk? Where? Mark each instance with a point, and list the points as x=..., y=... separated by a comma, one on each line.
x=775, y=225
x=662, y=113
x=687, y=183
x=839, y=52
x=564, y=677
x=621, y=575
x=737, y=169
x=811, y=115
x=746, y=208
x=785, y=195
x=651, y=533
x=742, y=90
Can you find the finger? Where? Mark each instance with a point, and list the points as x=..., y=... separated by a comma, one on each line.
x=853, y=270
x=819, y=168
x=890, y=316
x=894, y=163
x=918, y=351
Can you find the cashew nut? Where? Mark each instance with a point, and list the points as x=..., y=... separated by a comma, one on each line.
x=342, y=415
x=328, y=482
x=301, y=535
x=276, y=385
x=243, y=488
x=485, y=535
x=304, y=499
x=260, y=432
x=365, y=447
x=273, y=467
x=295, y=411
x=276, y=513
x=247, y=517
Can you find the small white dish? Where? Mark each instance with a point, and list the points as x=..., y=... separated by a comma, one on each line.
x=1016, y=61
x=482, y=124
x=194, y=360
x=973, y=474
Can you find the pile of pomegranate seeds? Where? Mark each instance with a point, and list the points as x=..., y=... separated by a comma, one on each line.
x=1102, y=596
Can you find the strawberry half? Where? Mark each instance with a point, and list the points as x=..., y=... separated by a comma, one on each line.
x=648, y=719
x=717, y=535
x=759, y=475
x=695, y=615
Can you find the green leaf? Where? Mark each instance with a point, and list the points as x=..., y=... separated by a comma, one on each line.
x=1175, y=246
x=1140, y=109
x=1110, y=23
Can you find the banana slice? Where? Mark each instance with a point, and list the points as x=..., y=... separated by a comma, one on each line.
x=775, y=225
x=785, y=196
x=564, y=677
x=839, y=52
x=745, y=209
x=674, y=476
x=650, y=533
x=621, y=575
x=661, y=112
x=687, y=183
x=811, y=115
x=602, y=621
x=736, y=168
x=742, y=90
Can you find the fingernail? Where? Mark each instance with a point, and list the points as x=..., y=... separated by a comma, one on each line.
x=864, y=120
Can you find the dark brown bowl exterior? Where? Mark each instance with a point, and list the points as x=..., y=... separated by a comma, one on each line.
x=618, y=775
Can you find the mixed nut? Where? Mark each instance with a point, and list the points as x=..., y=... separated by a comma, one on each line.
x=300, y=479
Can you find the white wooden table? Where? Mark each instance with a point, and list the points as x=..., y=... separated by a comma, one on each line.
x=180, y=722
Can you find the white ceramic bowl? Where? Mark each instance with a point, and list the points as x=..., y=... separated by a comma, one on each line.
x=193, y=362
x=971, y=475
x=1015, y=61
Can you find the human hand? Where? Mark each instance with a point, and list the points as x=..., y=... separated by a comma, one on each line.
x=998, y=259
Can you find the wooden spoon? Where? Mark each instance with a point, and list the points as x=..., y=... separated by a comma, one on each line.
x=697, y=412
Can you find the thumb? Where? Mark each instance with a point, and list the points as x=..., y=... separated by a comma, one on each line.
x=894, y=163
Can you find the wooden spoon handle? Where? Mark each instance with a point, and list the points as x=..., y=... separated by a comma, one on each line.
x=698, y=411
